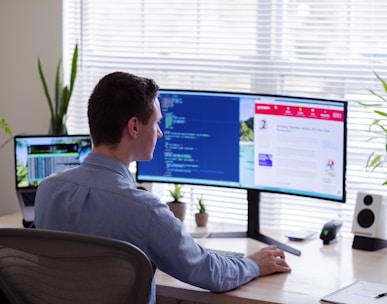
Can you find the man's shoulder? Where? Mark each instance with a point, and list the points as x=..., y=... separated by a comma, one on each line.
x=145, y=196
x=67, y=174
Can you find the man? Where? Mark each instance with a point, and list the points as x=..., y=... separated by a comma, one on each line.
x=100, y=196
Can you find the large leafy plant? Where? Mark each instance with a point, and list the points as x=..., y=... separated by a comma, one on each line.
x=377, y=160
x=59, y=103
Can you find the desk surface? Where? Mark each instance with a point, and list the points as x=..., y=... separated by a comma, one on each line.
x=11, y=221
x=319, y=270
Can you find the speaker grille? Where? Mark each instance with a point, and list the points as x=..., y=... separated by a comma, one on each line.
x=366, y=218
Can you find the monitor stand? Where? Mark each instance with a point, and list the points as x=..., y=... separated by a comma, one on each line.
x=253, y=229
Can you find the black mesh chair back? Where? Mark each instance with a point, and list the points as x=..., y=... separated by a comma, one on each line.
x=41, y=266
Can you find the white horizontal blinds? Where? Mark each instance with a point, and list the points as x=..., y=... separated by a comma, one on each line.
x=368, y=49
x=310, y=48
x=73, y=34
x=198, y=44
x=327, y=49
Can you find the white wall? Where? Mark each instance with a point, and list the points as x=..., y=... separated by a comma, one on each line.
x=28, y=30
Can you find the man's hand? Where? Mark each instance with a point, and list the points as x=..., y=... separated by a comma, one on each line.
x=270, y=259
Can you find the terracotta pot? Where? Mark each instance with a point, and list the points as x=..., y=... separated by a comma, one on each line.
x=201, y=219
x=178, y=209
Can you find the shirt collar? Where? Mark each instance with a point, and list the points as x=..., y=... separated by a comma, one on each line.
x=110, y=164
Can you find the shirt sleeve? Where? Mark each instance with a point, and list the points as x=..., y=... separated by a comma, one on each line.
x=176, y=253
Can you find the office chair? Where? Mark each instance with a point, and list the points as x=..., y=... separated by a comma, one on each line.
x=41, y=266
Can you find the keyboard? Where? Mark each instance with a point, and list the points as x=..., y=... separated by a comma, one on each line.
x=227, y=253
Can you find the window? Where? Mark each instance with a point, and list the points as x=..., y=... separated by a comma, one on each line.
x=294, y=47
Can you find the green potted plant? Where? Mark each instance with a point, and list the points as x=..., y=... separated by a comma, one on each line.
x=201, y=217
x=177, y=206
x=375, y=159
x=59, y=104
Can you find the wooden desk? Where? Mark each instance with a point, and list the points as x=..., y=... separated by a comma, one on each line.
x=14, y=220
x=318, y=271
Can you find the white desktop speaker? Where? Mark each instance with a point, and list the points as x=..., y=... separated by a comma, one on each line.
x=370, y=216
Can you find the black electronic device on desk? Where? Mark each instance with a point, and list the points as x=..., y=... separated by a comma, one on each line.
x=330, y=231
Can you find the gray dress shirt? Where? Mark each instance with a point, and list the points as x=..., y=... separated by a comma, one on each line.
x=100, y=197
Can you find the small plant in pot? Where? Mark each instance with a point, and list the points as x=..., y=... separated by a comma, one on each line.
x=201, y=217
x=177, y=206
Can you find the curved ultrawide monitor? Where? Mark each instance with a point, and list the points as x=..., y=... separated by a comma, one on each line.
x=280, y=144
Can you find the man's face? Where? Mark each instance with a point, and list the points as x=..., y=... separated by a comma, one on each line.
x=150, y=133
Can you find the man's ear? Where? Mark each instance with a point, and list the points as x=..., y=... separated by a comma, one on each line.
x=133, y=126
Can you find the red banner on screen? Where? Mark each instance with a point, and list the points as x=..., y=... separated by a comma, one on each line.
x=302, y=112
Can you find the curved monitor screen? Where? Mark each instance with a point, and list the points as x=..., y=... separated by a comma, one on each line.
x=281, y=144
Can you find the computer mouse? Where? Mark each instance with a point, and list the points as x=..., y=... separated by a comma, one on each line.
x=329, y=231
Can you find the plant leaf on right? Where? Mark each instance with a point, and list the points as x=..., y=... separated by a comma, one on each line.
x=375, y=159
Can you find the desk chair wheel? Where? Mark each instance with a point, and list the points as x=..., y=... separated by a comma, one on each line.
x=28, y=224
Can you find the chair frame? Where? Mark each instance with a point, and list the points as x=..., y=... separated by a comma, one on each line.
x=67, y=245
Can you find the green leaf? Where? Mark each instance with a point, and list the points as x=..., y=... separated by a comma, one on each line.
x=382, y=81
x=58, y=89
x=381, y=113
x=377, y=95
x=201, y=207
x=367, y=104
x=74, y=66
x=375, y=162
x=65, y=101
x=376, y=123
x=5, y=127
x=45, y=88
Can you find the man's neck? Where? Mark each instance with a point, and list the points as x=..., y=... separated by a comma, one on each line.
x=113, y=152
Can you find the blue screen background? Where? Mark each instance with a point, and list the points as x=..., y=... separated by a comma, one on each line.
x=201, y=139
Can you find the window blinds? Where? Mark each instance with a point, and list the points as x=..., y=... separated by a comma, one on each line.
x=310, y=48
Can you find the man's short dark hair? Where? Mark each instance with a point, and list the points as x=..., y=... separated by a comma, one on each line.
x=116, y=98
